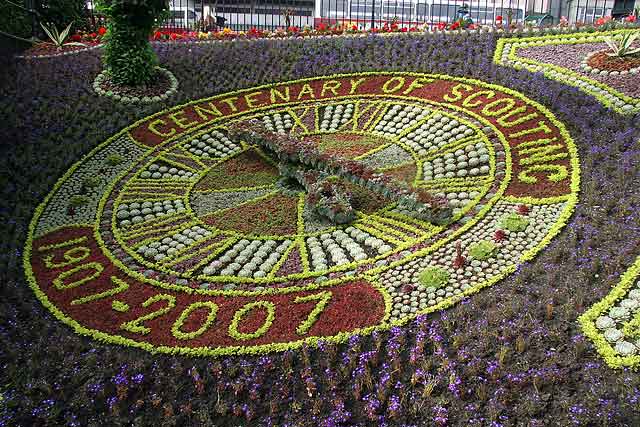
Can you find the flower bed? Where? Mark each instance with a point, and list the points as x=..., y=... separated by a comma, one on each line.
x=613, y=324
x=512, y=353
x=479, y=151
x=566, y=57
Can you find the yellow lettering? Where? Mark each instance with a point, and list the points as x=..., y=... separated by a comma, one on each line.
x=286, y=97
x=121, y=286
x=397, y=83
x=250, y=99
x=181, y=121
x=81, y=253
x=542, y=154
x=468, y=102
x=201, y=111
x=152, y=127
x=503, y=104
x=331, y=86
x=230, y=103
x=557, y=173
x=542, y=126
x=355, y=84
x=62, y=244
x=306, y=90
x=416, y=84
x=535, y=142
x=503, y=120
x=59, y=284
x=457, y=92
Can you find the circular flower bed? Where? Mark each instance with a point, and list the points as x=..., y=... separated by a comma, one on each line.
x=162, y=87
x=176, y=236
x=602, y=63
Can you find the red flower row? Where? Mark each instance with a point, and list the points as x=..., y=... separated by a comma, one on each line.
x=82, y=36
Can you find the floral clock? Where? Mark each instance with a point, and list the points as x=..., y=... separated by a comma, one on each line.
x=173, y=236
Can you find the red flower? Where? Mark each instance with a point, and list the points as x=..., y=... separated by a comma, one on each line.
x=93, y=35
x=404, y=30
x=354, y=28
x=499, y=235
x=413, y=29
x=499, y=18
x=76, y=37
x=102, y=31
x=321, y=27
x=441, y=26
x=157, y=35
x=173, y=36
x=455, y=25
x=631, y=18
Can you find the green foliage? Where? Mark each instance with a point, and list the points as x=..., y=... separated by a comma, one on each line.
x=78, y=200
x=514, y=222
x=482, y=250
x=14, y=20
x=56, y=38
x=434, y=277
x=92, y=182
x=624, y=47
x=128, y=56
x=114, y=159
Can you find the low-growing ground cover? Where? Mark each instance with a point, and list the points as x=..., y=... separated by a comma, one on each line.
x=513, y=354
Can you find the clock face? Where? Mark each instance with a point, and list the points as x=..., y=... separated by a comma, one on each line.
x=214, y=210
x=174, y=235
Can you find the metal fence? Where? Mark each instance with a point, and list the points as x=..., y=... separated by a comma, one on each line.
x=242, y=15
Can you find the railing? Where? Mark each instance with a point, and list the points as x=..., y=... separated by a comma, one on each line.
x=242, y=15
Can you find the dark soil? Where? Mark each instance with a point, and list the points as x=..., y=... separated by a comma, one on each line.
x=158, y=85
x=45, y=49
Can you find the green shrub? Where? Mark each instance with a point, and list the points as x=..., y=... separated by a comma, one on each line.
x=482, y=250
x=434, y=277
x=128, y=56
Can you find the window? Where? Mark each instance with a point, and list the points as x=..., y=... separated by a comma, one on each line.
x=442, y=12
x=334, y=8
x=402, y=12
x=364, y=9
x=422, y=11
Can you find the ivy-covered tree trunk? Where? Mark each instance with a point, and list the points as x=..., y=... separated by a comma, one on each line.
x=128, y=56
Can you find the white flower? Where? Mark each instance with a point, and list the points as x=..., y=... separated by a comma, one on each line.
x=625, y=348
x=619, y=313
x=605, y=322
x=613, y=335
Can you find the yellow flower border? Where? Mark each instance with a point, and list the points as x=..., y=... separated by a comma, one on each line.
x=567, y=76
x=587, y=321
x=570, y=202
